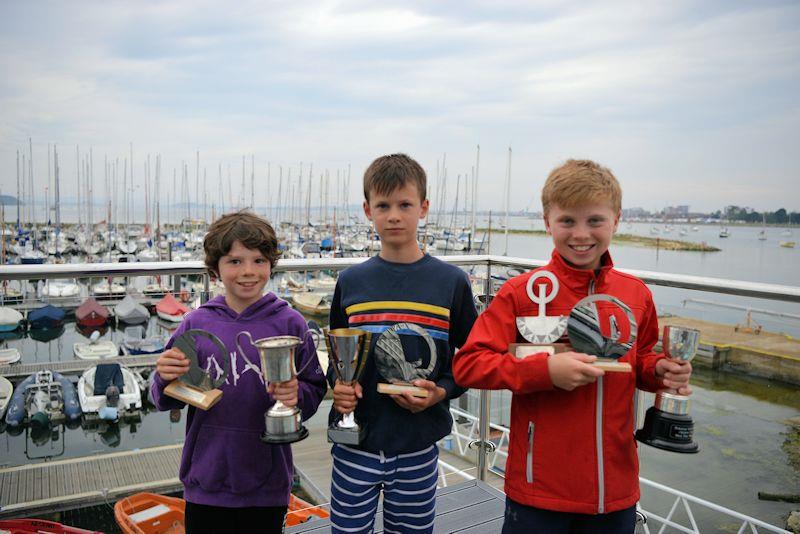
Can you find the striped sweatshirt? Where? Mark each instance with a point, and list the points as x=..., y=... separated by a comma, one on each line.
x=434, y=295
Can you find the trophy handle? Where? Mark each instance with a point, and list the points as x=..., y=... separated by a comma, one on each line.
x=364, y=348
x=238, y=346
x=316, y=336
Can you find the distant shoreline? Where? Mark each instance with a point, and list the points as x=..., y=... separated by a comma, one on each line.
x=628, y=239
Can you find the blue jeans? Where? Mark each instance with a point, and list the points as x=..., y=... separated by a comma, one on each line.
x=521, y=519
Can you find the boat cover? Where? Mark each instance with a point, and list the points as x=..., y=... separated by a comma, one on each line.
x=106, y=375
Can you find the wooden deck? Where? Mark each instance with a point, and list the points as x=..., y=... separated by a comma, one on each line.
x=75, y=366
x=64, y=484
x=90, y=480
x=467, y=507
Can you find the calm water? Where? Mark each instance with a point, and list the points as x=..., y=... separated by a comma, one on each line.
x=741, y=423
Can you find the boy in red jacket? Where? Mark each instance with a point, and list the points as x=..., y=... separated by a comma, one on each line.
x=572, y=463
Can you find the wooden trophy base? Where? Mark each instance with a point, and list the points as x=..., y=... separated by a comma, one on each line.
x=612, y=366
x=400, y=388
x=521, y=350
x=191, y=395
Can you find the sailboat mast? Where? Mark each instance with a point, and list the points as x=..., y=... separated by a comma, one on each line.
x=508, y=199
x=475, y=192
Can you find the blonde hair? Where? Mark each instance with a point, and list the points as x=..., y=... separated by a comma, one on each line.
x=579, y=182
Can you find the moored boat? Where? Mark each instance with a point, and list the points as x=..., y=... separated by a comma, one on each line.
x=95, y=349
x=47, y=316
x=135, y=342
x=37, y=526
x=787, y=244
x=91, y=313
x=10, y=319
x=130, y=311
x=149, y=513
x=42, y=398
x=110, y=392
x=6, y=391
x=169, y=309
x=312, y=303
x=9, y=355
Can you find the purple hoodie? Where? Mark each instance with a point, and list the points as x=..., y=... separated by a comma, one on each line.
x=224, y=461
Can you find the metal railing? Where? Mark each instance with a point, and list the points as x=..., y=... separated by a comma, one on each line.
x=476, y=435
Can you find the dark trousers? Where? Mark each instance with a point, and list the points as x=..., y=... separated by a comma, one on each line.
x=521, y=519
x=203, y=519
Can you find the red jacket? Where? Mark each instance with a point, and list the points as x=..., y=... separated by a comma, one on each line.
x=569, y=451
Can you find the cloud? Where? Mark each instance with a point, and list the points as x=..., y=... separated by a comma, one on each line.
x=687, y=103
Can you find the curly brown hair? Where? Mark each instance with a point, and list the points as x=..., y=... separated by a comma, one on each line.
x=244, y=226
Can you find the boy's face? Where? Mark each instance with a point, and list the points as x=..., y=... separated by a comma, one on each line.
x=396, y=215
x=244, y=273
x=582, y=234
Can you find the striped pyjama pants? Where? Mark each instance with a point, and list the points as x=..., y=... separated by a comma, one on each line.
x=408, y=482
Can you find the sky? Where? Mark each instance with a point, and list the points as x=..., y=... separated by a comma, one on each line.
x=686, y=102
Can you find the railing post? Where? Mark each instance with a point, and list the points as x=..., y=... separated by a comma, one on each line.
x=483, y=434
x=483, y=410
x=206, y=289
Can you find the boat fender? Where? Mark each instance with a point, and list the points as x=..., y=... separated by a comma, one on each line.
x=40, y=419
x=108, y=413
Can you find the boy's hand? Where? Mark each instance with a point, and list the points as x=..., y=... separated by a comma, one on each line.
x=569, y=370
x=286, y=392
x=675, y=375
x=345, y=398
x=171, y=364
x=417, y=404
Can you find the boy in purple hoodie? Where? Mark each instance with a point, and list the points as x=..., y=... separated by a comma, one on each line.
x=232, y=480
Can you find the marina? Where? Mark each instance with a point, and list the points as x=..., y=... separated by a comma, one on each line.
x=150, y=461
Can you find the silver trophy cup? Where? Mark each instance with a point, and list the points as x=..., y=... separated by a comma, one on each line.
x=282, y=423
x=668, y=425
x=347, y=351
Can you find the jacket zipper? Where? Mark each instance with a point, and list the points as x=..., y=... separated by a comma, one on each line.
x=529, y=460
x=601, y=493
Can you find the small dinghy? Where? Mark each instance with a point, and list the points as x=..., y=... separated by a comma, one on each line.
x=10, y=319
x=135, y=343
x=109, y=391
x=46, y=317
x=104, y=290
x=91, y=313
x=170, y=309
x=61, y=289
x=27, y=526
x=131, y=312
x=312, y=303
x=9, y=355
x=6, y=390
x=95, y=349
x=146, y=513
x=42, y=399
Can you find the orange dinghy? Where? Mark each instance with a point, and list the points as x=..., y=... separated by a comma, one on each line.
x=148, y=513
x=300, y=511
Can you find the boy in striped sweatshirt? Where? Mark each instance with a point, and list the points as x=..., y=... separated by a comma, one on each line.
x=398, y=453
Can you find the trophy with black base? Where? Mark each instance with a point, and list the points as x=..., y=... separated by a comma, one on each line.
x=393, y=365
x=196, y=387
x=347, y=351
x=586, y=335
x=282, y=424
x=667, y=424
